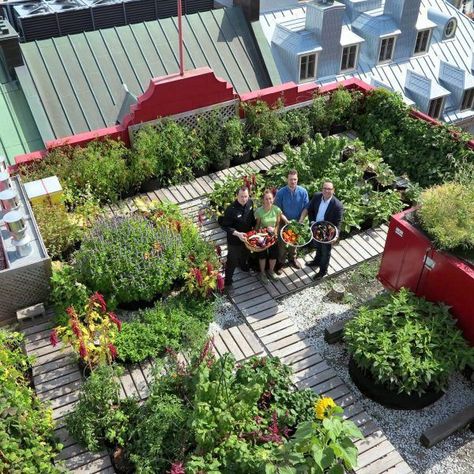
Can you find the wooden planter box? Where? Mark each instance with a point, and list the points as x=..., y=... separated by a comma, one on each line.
x=410, y=260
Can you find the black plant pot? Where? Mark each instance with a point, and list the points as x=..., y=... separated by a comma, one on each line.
x=200, y=172
x=334, y=129
x=140, y=304
x=241, y=158
x=387, y=397
x=150, y=185
x=222, y=165
x=265, y=151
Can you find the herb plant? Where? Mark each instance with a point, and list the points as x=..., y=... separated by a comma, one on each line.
x=407, y=343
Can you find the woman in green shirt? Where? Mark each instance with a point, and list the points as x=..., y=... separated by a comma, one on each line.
x=269, y=216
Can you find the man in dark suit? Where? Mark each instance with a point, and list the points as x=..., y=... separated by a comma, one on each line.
x=324, y=206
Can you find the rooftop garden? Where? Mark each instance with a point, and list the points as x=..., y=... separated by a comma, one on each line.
x=139, y=286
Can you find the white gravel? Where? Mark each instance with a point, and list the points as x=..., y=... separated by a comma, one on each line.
x=226, y=316
x=312, y=313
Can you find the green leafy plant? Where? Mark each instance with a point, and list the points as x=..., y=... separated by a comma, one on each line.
x=209, y=131
x=130, y=259
x=407, y=343
x=100, y=417
x=66, y=291
x=447, y=215
x=90, y=333
x=26, y=425
x=299, y=129
x=177, y=323
x=233, y=137
x=224, y=193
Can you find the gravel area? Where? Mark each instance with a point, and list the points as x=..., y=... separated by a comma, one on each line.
x=312, y=313
x=226, y=316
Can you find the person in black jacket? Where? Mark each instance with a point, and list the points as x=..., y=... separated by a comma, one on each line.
x=238, y=219
x=324, y=206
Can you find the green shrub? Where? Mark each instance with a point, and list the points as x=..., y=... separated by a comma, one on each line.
x=26, y=425
x=101, y=167
x=130, y=259
x=447, y=215
x=407, y=343
x=100, y=418
x=178, y=323
x=428, y=154
x=297, y=121
x=233, y=137
x=66, y=291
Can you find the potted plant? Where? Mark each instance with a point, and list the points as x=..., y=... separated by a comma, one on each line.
x=404, y=349
x=297, y=125
x=210, y=133
x=233, y=141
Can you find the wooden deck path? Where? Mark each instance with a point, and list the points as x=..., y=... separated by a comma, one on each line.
x=268, y=330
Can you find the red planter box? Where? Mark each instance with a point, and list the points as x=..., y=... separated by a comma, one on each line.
x=411, y=261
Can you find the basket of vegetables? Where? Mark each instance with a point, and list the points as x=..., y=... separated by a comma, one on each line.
x=324, y=232
x=259, y=240
x=295, y=234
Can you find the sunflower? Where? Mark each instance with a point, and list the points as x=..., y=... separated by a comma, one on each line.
x=322, y=406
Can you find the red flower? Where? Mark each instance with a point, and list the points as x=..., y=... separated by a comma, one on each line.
x=70, y=312
x=192, y=258
x=198, y=276
x=112, y=351
x=53, y=338
x=75, y=328
x=218, y=250
x=178, y=226
x=254, y=180
x=201, y=217
x=116, y=321
x=220, y=282
x=98, y=300
x=209, y=268
x=177, y=468
x=82, y=350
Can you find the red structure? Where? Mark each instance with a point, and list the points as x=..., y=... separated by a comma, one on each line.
x=411, y=261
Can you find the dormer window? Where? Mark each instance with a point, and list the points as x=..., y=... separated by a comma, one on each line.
x=387, y=45
x=436, y=106
x=422, y=41
x=467, y=99
x=307, y=67
x=349, y=57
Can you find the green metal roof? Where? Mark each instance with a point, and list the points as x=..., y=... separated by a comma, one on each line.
x=74, y=83
x=18, y=131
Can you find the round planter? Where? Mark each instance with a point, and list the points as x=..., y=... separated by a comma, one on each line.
x=222, y=165
x=150, y=185
x=265, y=151
x=387, y=397
x=241, y=158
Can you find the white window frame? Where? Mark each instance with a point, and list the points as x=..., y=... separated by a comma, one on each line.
x=300, y=59
x=428, y=42
x=387, y=60
x=437, y=108
x=356, y=57
x=467, y=105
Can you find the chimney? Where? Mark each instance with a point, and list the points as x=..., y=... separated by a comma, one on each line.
x=10, y=46
x=324, y=19
x=405, y=13
x=251, y=9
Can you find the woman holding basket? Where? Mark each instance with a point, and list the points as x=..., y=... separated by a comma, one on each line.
x=270, y=216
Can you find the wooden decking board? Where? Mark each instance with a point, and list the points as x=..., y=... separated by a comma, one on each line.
x=39, y=336
x=277, y=326
x=400, y=468
x=219, y=345
x=310, y=372
x=279, y=316
x=44, y=350
x=377, y=452
x=251, y=339
x=370, y=441
x=53, y=356
x=63, y=436
x=254, y=293
x=345, y=245
x=64, y=400
x=40, y=326
x=278, y=335
x=128, y=386
x=368, y=428
x=317, y=379
x=337, y=392
x=346, y=400
x=344, y=254
x=67, y=359
x=88, y=463
x=63, y=410
x=301, y=365
x=139, y=381
x=231, y=345
x=60, y=391
x=328, y=385
x=54, y=374
x=257, y=309
x=204, y=185
x=299, y=356
x=275, y=288
x=56, y=383
x=253, y=302
x=71, y=451
x=371, y=244
x=241, y=342
x=242, y=288
x=285, y=342
x=297, y=346
x=359, y=249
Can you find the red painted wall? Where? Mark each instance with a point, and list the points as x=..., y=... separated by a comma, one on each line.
x=446, y=278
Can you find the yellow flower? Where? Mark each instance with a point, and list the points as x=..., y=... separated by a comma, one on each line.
x=322, y=406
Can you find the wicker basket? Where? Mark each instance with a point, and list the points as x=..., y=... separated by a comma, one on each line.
x=258, y=249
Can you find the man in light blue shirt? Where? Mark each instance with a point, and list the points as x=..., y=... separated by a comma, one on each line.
x=291, y=199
